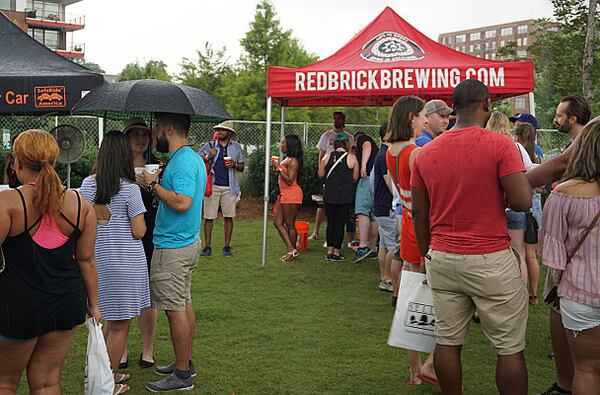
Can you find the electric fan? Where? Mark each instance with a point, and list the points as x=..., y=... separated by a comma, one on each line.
x=71, y=145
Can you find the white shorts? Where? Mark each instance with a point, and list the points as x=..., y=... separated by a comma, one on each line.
x=578, y=317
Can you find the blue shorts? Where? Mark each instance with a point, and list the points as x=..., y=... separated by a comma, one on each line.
x=365, y=194
x=515, y=219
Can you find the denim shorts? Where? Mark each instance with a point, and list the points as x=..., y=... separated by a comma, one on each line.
x=578, y=317
x=388, y=231
x=515, y=219
x=365, y=193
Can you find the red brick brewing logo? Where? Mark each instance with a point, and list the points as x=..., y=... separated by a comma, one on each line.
x=391, y=47
x=50, y=96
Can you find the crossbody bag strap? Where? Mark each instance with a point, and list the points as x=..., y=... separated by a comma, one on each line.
x=337, y=162
x=585, y=234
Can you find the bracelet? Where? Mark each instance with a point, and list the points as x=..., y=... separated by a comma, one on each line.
x=150, y=187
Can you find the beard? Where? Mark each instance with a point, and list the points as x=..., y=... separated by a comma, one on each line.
x=564, y=128
x=162, y=144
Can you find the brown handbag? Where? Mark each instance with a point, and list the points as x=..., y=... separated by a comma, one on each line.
x=552, y=296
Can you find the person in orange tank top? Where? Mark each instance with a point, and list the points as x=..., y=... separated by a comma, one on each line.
x=290, y=194
x=407, y=118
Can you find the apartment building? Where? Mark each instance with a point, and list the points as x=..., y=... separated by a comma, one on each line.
x=48, y=23
x=484, y=42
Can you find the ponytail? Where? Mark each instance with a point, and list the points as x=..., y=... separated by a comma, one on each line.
x=48, y=195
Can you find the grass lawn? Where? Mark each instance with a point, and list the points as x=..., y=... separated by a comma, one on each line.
x=310, y=327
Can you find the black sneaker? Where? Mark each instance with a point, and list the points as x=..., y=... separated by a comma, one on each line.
x=556, y=390
x=171, y=383
x=166, y=370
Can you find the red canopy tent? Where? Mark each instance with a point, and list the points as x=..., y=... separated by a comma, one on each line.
x=387, y=59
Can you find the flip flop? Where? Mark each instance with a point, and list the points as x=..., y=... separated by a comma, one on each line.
x=427, y=379
x=121, y=378
x=121, y=389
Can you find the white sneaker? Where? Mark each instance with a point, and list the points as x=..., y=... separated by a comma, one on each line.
x=314, y=236
x=324, y=244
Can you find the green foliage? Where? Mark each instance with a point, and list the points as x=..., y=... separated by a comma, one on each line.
x=255, y=179
x=508, y=51
x=154, y=69
x=208, y=72
x=90, y=65
x=558, y=59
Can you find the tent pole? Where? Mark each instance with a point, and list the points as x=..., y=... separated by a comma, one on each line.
x=100, y=130
x=282, y=130
x=531, y=104
x=266, y=196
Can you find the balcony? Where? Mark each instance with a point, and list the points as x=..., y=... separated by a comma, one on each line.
x=72, y=51
x=48, y=20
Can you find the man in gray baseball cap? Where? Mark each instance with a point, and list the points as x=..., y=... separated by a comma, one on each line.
x=438, y=116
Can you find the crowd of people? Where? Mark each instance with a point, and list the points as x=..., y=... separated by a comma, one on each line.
x=458, y=200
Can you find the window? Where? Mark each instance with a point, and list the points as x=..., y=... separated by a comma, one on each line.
x=507, y=31
x=457, y=48
x=51, y=39
x=493, y=55
x=493, y=44
x=519, y=42
x=522, y=29
x=471, y=48
x=520, y=102
x=524, y=41
x=490, y=34
x=522, y=53
x=477, y=47
x=486, y=46
x=502, y=43
x=475, y=36
x=450, y=40
x=464, y=48
x=487, y=56
x=553, y=29
x=6, y=5
x=461, y=38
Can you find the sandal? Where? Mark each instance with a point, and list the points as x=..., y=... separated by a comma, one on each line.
x=124, y=364
x=289, y=256
x=121, y=378
x=145, y=364
x=121, y=389
x=533, y=299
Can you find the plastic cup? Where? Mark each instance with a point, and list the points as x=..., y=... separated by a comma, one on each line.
x=139, y=170
x=152, y=169
x=275, y=158
x=227, y=160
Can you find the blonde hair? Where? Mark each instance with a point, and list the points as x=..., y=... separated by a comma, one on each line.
x=37, y=150
x=499, y=123
x=584, y=162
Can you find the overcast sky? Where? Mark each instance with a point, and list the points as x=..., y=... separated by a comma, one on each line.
x=119, y=32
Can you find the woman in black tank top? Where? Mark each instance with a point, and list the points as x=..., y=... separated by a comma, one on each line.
x=49, y=278
x=340, y=171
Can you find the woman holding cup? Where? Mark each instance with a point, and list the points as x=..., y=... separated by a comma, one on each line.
x=290, y=194
x=139, y=137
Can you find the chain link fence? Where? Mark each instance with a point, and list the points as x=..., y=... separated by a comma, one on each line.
x=250, y=134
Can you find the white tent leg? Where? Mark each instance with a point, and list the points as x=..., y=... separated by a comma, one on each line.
x=282, y=130
x=531, y=104
x=266, y=195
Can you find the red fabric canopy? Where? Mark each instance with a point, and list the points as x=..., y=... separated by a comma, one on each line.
x=387, y=59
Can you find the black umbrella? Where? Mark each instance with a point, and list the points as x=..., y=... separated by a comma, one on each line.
x=123, y=100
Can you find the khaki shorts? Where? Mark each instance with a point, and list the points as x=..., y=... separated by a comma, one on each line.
x=490, y=283
x=171, y=276
x=220, y=197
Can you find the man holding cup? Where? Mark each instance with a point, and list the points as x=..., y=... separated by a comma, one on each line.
x=225, y=158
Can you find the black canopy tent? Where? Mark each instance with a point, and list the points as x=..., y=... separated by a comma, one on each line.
x=36, y=81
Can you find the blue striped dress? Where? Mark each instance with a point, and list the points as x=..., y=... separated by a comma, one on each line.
x=122, y=270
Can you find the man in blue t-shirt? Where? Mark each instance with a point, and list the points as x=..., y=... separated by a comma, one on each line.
x=438, y=117
x=180, y=195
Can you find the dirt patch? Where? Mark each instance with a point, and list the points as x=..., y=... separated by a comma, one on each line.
x=252, y=209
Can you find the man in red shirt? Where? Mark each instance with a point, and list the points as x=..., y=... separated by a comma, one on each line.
x=461, y=182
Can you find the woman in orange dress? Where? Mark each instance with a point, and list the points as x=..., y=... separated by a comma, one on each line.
x=406, y=121
x=290, y=194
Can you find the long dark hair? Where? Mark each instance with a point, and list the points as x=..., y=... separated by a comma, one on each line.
x=400, y=122
x=525, y=134
x=114, y=162
x=294, y=150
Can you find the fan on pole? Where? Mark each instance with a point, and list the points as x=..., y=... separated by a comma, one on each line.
x=71, y=145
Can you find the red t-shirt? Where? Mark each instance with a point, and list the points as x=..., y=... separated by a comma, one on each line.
x=461, y=171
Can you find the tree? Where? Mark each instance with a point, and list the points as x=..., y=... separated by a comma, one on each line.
x=92, y=66
x=154, y=69
x=588, y=57
x=208, y=72
x=508, y=51
x=558, y=58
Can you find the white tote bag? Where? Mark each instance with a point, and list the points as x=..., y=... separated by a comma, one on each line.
x=414, y=319
x=99, y=379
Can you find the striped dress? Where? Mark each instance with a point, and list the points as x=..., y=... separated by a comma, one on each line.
x=122, y=270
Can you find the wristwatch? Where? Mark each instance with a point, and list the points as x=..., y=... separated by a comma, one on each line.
x=150, y=187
